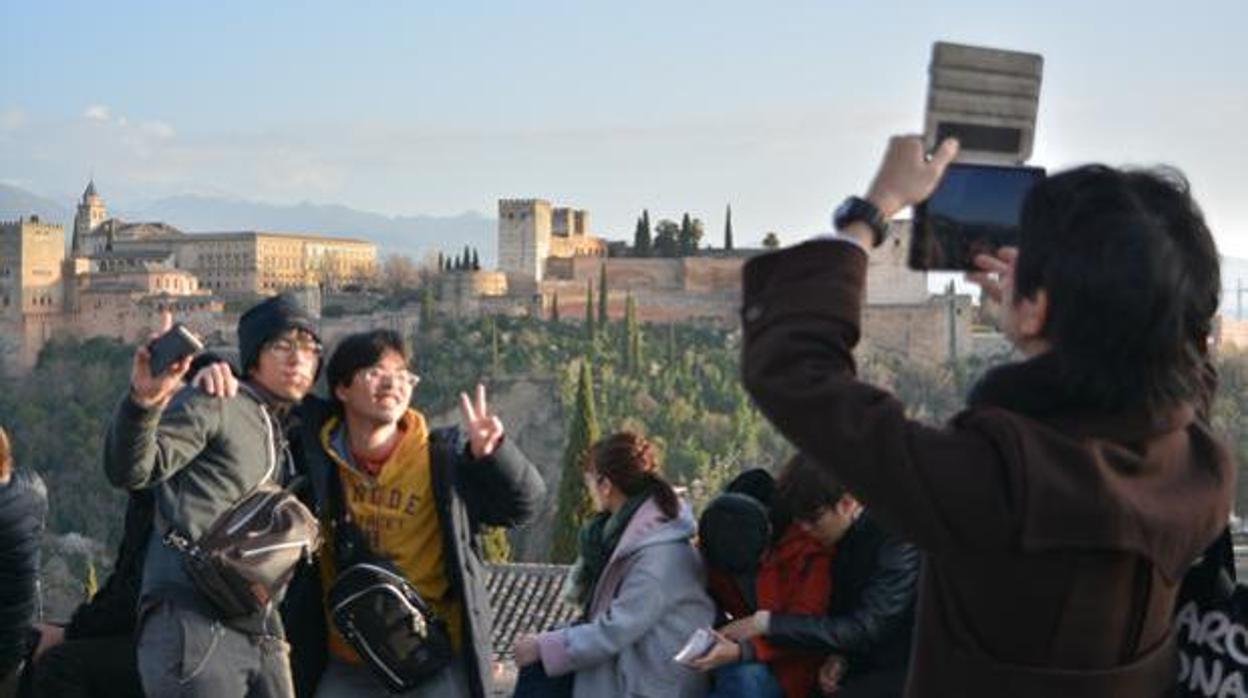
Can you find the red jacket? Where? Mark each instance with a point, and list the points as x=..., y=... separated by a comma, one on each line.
x=794, y=578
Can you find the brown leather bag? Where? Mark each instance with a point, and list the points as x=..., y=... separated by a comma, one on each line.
x=249, y=554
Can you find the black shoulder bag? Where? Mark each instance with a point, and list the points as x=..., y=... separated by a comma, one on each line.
x=1211, y=625
x=393, y=629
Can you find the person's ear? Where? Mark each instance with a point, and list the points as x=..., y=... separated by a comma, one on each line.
x=848, y=506
x=340, y=392
x=1032, y=314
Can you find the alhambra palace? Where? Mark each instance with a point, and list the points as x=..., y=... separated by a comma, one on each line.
x=114, y=277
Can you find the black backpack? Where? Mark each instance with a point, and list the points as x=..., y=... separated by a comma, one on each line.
x=395, y=632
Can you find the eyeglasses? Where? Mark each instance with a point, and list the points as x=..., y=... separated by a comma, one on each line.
x=284, y=347
x=375, y=375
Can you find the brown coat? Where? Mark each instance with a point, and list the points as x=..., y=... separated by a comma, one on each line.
x=1054, y=538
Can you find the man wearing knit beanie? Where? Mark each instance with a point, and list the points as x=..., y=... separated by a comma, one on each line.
x=201, y=454
x=266, y=320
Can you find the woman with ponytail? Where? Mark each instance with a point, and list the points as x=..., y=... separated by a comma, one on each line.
x=638, y=579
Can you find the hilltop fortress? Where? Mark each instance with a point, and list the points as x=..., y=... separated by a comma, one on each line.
x=548, y=256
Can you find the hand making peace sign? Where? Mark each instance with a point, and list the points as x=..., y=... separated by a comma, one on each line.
x=485, y=430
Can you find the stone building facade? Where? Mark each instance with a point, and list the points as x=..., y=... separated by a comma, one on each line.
x=235, y=263
x=32, y=295
x=531, y=231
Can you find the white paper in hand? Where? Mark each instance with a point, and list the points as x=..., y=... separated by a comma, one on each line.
x=699, y=643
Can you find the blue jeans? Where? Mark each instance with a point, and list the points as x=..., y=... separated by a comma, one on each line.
x=534, y=683
x=745, y=680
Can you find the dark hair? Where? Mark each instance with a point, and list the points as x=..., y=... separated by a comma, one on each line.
x=627, y=460
x=1131, y=273
x=6, y=454
x=359, y=351
x=803, y=489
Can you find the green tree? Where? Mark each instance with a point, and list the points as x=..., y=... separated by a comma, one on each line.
x=496, y=363
x=426, y=307
x=573, y=502
x=591, y=333
x=641, y=236
x=632, y=337
x=728, y=229
x=554, y=308
x=671, y=344
x=666, y=239
x=771, y=241
x=603, y=316
x=441, y=262
x=476, y=261
x=690, y=236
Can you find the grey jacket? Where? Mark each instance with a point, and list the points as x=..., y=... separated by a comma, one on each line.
x=202, y=454
x=650, y=598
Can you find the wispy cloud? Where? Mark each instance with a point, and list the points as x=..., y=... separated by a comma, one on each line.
x=97, y=112
x=12, y=119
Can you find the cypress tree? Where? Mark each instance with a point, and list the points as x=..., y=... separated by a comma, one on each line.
x=686, y=236
x=467, y=258
x=603, y=317
x=476, y=261
x=496, y=362
x=728, y=229
x=642, y=243
x=441, y=263
x=426, y=307
x=590, y=331
x=573, y=503
x=632, y=337
x=554, y=308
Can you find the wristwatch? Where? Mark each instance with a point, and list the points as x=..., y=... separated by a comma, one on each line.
x=856, y=208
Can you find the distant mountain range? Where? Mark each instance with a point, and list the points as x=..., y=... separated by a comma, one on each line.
x=410, y=235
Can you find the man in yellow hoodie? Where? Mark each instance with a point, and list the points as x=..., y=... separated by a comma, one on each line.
x=418, y=496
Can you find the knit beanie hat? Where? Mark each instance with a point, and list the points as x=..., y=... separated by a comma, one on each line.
x=733, y=532
x=268, y=319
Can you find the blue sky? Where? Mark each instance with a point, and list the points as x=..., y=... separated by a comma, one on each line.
x=439, y=108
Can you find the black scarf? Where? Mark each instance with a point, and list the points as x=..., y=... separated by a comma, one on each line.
x=598, y=539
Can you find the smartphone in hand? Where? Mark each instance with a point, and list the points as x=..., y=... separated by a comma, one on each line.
x=975, y=209
x=165, y=350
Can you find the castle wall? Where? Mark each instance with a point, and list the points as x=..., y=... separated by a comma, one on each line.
x=713, y=275
x=889, y=278
x=934, y=331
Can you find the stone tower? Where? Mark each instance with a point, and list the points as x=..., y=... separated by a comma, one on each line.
x=524, y=236
x=91, y=213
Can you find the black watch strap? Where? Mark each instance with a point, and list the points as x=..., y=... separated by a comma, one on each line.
x=856, y=208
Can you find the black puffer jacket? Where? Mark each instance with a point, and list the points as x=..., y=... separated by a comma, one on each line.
x=871, y=617
x=504, y=489
x=23, y=511
x=112, y=611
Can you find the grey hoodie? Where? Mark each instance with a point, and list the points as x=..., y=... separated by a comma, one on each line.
x=650, y=598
